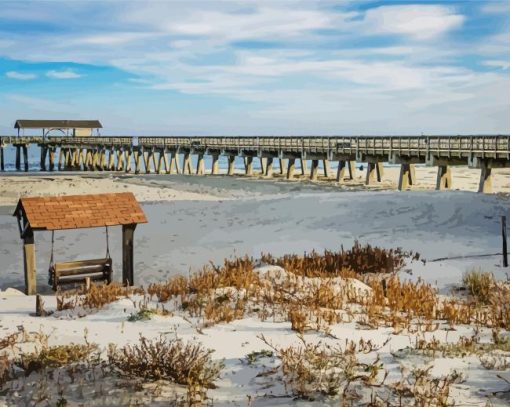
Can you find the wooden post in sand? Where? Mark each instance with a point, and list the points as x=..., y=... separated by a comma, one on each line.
x=29, y=262
x=503, y=235
x=128, y=232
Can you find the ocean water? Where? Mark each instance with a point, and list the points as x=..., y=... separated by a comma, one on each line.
x=34, y=156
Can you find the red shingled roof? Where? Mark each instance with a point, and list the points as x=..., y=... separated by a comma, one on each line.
x=81, y=211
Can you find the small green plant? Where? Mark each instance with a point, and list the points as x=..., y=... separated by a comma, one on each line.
x=253, y=357
x=142, y=315
x=479, y=284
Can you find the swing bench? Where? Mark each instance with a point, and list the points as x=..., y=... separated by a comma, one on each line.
x=76, y=212
x=77, y=272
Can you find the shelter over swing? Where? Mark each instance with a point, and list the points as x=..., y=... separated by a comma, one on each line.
x=73, y=212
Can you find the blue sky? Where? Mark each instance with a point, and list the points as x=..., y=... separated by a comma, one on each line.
x=259, y=67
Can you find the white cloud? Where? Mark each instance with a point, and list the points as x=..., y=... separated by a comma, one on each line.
x=498, y=64
x=20, y=75
x=421, y=22
x=65, y=74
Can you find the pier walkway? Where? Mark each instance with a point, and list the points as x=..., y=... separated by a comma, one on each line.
x=161, y=155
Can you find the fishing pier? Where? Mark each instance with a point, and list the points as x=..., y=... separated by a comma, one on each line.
x=170, y=155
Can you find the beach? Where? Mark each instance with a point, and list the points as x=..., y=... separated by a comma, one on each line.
x=196, y=220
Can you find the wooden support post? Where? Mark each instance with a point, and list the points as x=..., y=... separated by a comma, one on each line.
x=138, y=161
x=147, y=161
x=215, y=168
x=129, y=154
x=88, y=160
x=314, y=170
x=120, y=159
x=351, y=166
x=159, y=166
x=503, y=235
x=96, y=160
x=304, y=167
x=39, y=306
x=248, y=166
x=371, y=173
x=154, y=163
x=52, y=158
x=60, y=159
x=29, y=262
x=18, y=158
x=485, y=185
x=128, y=232
x=281, y=162
x=44, y=150
x=269, y=167
x=379, y=169
x=173, y=164
x=290, y=168
x=231, y=164
x=340, y=173
x=111, y=159
x=25, y=157
x=2, y=164
x=77, y=158
x=102, y=159
x=444, y=177
x=67, y=159
x=405, y=178
x=200, y=164
x=186, y=163
x=263, y=164
x=165, y=161
x=327, y=168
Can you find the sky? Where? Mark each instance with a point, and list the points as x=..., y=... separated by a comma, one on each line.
x=277, y=67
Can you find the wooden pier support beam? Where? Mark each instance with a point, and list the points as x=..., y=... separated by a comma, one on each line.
x=485, y=185
x=52, y=158
x=174, y=164
x=304, y=168
x=2, y=163
x=18, y=158
x=128, y=164
x=269, y=166
x=444, y=177
x=263, y=164
x=375, y=171
x=326, y=168
x=407, y=176
x=29, y=262
x=111, y=159
x=200, y=164
x=138, y=160
x=25, y=157
x=248, y=166
x=128, y=274
x=281, y=161
x=147, y=161
x=314, y=170
x=290, y=168
x=343, y=166
x=231, y=164
x=215, y=167
x=186, y=164
x=44, y=151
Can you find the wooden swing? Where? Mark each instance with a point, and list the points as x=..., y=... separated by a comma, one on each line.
x=75, y=212
x=76, y=272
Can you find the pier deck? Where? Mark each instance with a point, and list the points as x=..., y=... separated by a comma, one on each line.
x=160, y=154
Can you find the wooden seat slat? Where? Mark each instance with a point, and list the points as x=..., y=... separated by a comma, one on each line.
x=77, y=271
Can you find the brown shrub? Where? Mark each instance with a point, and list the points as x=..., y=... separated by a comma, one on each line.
x=183, y=363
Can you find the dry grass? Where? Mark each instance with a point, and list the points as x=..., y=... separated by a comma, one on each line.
x=96, y=298
x=311, y=370
x=479, y=285
x=360, y=259
x=162, y=359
